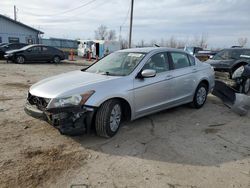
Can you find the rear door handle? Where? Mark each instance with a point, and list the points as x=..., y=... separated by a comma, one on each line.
x=169, y=77
x=194, y=69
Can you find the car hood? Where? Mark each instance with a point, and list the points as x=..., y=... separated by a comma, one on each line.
x=216, y=63
x=12, y=51
x=67, y=84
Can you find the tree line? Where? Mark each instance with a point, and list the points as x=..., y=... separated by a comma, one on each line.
x=103, y=33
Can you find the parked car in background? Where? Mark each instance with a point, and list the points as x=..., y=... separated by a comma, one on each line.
x=204, y=55
x=124, y=85
x=10, y=46
x=192, y=49
x=35, y=52
x=2, y=44
x=229, y=60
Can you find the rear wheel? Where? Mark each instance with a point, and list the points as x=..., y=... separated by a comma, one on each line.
x=200, y=96
x=56, y=59
x=20, y=60
x=108, y=118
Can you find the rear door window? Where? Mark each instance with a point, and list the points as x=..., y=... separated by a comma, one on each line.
x=180, y=60
x=192, y=60
x=36, y=49
x=45, y=49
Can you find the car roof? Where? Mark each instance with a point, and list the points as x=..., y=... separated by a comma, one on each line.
x=31, y=45
x=151, y=49
x=236, y=48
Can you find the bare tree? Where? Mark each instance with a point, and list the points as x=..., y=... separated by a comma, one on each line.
x=200, y=41
x=242, y=41
x=162, y=42
x=124, y=43
x=141, y=43
x=172, y=42
x=181, y=44
x=111, y=35
x=153, y=42
x=101, y=33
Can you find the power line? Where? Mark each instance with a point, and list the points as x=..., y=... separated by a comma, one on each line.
x=63, y=12
x=123, y=23
x=95, y=7
x=70, y=10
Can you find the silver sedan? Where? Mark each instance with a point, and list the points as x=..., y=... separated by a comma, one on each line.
x=124, y=85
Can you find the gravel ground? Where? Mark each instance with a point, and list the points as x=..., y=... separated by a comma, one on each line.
x=177, y=148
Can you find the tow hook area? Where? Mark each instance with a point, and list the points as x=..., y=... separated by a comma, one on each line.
x=72, y=122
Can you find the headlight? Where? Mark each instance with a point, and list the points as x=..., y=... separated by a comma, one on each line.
x=9, y=55
x=73, y=100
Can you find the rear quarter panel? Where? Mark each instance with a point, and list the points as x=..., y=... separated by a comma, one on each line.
x=205, y=72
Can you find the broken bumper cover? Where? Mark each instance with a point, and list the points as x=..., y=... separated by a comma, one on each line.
x=69, y=121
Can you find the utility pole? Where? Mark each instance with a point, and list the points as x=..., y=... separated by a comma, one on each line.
x=15, y=12
x=120, y=34
x=131, y=23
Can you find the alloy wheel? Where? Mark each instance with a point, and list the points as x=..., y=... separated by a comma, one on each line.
x=115, y=117
x=201, y=95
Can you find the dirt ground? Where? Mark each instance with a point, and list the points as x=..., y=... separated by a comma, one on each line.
x=177, y=148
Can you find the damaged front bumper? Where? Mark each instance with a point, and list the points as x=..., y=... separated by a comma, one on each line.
x=69, y=121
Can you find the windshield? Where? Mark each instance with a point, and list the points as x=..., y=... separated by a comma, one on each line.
x=117, y=64
x=227, y=54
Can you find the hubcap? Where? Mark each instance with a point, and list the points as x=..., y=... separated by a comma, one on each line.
x=115, y=117
x=56, y=59
x=247, y=85
x=201, y=96
x=20, y=59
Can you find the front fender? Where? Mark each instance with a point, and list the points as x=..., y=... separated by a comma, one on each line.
x=98, y=98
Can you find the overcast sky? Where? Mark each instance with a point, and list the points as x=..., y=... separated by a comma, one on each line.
x=222, y=21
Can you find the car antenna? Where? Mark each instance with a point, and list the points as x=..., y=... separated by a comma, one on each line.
x=156, y=45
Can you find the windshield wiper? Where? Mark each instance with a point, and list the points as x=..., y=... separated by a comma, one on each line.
x=106, y=73
x=109, y=74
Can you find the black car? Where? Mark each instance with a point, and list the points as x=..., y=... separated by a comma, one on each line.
x=35, y=52
x=10, y=46
x=2, y=44
x=228, y=60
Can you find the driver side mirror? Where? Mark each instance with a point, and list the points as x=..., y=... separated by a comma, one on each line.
x=148, y=73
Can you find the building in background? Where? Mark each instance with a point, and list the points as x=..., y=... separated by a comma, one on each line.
x=12, y=31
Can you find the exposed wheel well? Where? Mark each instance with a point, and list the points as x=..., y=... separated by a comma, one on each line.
x=237, y=66
x=20, y=56
x=205, y=82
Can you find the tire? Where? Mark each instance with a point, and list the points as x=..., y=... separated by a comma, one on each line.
x=245, y=86
x=56, y=59
x=200, y=96
x=108, y=118
x=20, y=60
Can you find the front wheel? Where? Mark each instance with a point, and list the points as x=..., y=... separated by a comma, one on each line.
x=200, y=96
x=108, y=118
x=20, y=60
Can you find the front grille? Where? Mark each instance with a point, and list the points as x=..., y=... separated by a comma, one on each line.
x=39, y=102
